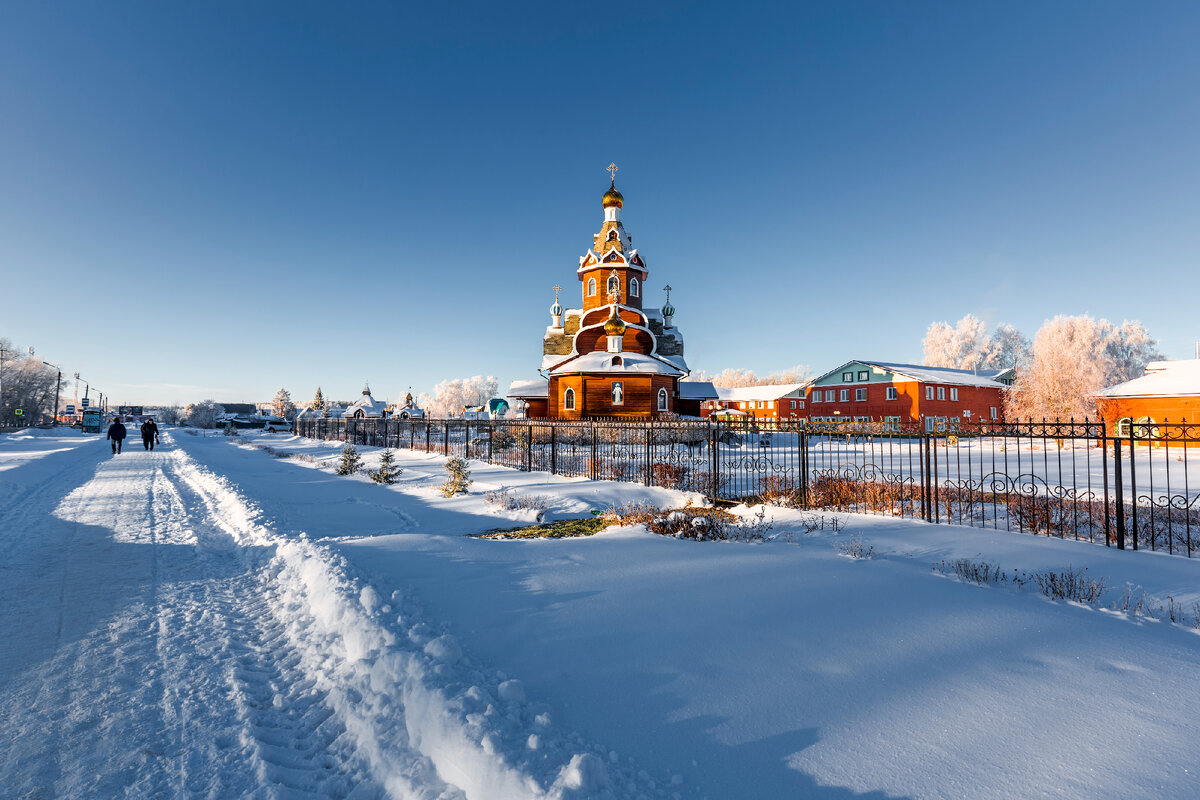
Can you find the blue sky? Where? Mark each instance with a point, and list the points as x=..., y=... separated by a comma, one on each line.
x=219, y=199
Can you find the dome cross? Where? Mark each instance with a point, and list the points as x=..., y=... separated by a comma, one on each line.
x=612, y=172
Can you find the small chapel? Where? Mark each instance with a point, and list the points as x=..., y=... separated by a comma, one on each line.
x=613, y=356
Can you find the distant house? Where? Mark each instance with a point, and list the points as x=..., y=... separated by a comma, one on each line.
x=367, y=407
x=780, y=401
x=878, y=391
x=1168, y=392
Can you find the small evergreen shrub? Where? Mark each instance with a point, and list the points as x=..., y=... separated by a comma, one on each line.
x=388, y=471
x=230, y=429
x=351, y=460
x=460, y=477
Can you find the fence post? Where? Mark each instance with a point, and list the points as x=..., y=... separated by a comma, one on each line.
x=1133, y=481
x=1120, y=492
x=803, y=467
x=648, y=476
x=529, y=450
x=427, y=435
x=714, y=478
x=446, y=438
x=926, y=489
x=491, y=431
x=553, y=449
x=593, y=465
x=1104, y=465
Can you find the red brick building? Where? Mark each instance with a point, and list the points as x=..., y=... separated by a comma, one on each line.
x=865, y=391
x=782, y=401
x=612, y=357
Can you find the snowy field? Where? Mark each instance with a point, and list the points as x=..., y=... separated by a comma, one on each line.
x=208, y=620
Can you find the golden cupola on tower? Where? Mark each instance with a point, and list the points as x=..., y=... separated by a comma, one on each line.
x=612, y=197
x=614, y=325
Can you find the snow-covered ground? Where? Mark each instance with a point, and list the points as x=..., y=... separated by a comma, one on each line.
x=207, y=620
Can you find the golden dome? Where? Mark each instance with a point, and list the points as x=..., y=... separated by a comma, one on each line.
x=613, y=198
x=614, y=326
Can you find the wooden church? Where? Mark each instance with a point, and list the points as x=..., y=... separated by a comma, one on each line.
x=613, y=356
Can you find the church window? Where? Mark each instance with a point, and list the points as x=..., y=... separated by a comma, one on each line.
x=591, y=287
x=618, y=393
x=569, y=400
x=614, y=285
x=633, y=287
x=613, y=256
x=612, y=235
x=616, y=361
x=662, y=399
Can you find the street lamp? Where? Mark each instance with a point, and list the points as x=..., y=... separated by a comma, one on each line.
x=57, y=388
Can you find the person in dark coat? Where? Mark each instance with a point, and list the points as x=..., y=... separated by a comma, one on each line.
x=149, y=434
x=116, y=433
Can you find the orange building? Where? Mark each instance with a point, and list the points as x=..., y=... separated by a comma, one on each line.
x=774, y=402
x=612, y=357
x=1168, y=392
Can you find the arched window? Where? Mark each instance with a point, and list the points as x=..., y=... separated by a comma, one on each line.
x=662, y=400
x=633, y=287
x=614, y=284
x=1123, y=426
x=569, y=400
x=591, y=287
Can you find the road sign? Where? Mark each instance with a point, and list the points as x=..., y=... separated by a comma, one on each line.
x=20, y=412
x=86, y=402
x=70, y=409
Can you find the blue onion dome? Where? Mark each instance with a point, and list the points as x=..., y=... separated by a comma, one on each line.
x=556, y=310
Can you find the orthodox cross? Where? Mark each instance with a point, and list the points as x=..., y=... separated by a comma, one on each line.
x=557, y=289
x=612, y=172
x=667, y=289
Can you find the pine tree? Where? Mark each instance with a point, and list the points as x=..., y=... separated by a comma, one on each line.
x=460, y=477
x=351, y=460
x=388, y=471
x=318, y=402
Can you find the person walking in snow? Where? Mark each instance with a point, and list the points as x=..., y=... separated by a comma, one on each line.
x=116, y=433
x=149, y=434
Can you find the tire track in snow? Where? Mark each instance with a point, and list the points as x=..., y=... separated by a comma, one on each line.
x=186, y=689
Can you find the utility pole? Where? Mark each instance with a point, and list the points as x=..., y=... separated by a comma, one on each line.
x=2, y=352
x=57, y=389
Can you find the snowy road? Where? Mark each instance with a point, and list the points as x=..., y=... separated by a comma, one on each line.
x=138, y=640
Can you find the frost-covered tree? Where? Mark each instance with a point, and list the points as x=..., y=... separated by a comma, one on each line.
x=963, y=346
x=1008, y=348
x=169, y=415
x=319, y=402
x=282, y=405
x=968, y=345
x=1073, y=358
x=25, y=383
x=1129, y=348
x=732, y=378
x=452, y=396
x=204, y=414
x=459, y=479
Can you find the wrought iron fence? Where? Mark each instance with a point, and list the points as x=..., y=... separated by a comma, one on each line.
x=1136, y=486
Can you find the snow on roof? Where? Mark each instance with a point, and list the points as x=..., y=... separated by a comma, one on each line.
x=537, y=388
x=1162, y=378
x=772, y=391
x=368, y=405
x=629, y=362
x=676, y=360
x=697, y=390
x=920, y=372
x=549, y=361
